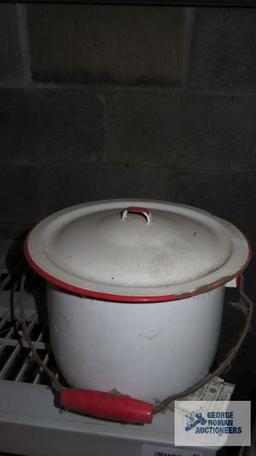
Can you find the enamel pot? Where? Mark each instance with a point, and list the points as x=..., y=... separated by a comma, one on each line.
x=135, y=292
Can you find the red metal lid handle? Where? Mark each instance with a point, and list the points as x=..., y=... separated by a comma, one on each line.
x=109, y=406
x=137, y=210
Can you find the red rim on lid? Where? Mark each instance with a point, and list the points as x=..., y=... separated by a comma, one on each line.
x=136, y=250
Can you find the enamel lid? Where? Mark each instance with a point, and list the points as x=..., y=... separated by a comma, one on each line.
x=136, y=251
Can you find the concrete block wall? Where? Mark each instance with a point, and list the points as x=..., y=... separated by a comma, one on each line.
x=113, y=101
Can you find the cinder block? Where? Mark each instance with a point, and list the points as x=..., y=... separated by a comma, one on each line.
x=49, y=125
x=183, y=131
x=104, y=43
x=11, y=231
x=17, y=202
x=230, y=195
x=223, y=49
x=11, y=58
x=62, y=186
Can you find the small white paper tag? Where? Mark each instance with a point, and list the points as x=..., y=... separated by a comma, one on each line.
x=216, y=390
x=153, y=450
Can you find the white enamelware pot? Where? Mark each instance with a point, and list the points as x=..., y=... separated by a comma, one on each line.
x=135, y=292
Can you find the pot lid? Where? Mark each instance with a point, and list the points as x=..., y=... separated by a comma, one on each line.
x=134, y=250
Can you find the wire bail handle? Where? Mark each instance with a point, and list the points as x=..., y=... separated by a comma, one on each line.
x=125, y=408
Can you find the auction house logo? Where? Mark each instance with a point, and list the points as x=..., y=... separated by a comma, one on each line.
x=207, y=423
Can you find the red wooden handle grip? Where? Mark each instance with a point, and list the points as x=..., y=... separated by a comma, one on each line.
x=106, y=405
